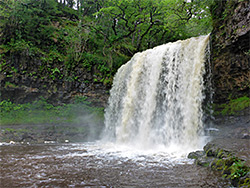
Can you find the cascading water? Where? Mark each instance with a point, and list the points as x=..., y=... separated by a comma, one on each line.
x=156, y=98
x=155, y=101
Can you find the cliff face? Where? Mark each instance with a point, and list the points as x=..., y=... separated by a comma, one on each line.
x=231, y=49
x=27, y=79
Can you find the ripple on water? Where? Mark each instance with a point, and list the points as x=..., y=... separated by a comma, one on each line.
x=98, y=165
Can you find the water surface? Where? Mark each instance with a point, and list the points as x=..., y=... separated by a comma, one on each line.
x=98, y=165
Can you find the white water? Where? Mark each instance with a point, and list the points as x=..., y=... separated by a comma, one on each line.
x=155, y=102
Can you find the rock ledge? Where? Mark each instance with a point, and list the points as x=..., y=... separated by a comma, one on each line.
x=228, y=156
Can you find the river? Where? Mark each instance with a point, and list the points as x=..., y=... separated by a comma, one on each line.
x=153, y=119
x=98, y=165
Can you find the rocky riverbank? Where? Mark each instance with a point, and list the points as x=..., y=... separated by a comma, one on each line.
x=229, y=149
x=36, y=134
x=228, y=156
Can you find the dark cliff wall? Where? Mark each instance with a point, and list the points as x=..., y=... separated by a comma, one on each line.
x=231, y=49
x=28, y=79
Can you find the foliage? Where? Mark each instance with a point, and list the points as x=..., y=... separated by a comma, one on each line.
x=238, y=170
x=42, y=112
x=232, y=168
x=233, y=106
x=131, y=26
x=98, y=36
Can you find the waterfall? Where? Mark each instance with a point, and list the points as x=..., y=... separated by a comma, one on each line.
x=156, y=97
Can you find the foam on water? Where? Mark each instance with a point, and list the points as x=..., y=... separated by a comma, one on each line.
x=117, y=153
x=156, y=99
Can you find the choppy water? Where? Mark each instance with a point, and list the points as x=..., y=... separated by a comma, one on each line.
x=98, y=165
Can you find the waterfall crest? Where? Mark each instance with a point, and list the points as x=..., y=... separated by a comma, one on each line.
x=156, y=97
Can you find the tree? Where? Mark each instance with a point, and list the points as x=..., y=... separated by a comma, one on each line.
x=124, y=27
x=99, y=35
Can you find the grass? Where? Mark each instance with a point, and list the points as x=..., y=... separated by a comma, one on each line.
x=42, y=112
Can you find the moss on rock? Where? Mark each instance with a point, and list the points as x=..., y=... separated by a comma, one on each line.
x=226, y=162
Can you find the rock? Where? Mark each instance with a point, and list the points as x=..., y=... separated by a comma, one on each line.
x=196, y=154
x=210, y=150
x=203, y=161
x=63, y=133
x=32, y=80
x=26, y=137
x=228, y=156
x=241, y=133
x=230, y=49
x=224, y=147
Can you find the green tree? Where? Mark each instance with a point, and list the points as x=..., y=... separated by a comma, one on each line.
x=123, y=27
x=99, y=35
x=29, y=20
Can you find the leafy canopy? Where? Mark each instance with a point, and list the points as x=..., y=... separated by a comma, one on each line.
x=96, y=35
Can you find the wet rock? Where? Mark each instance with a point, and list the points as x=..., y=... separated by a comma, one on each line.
x=241, y=133
x=196, y=154
x=230, y=49
x=26, y=137
x=230, y=147
x=245, y=181
x=203, y=161
x=213, y=150
x=228, y=156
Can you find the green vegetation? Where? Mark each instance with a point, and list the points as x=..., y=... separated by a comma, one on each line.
x=247, y=52
x=233, y=106
x=48, y=43
x=57, y=38
x=42, y=112
x=226, y=162
x=238, y=170
x=233, y=169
